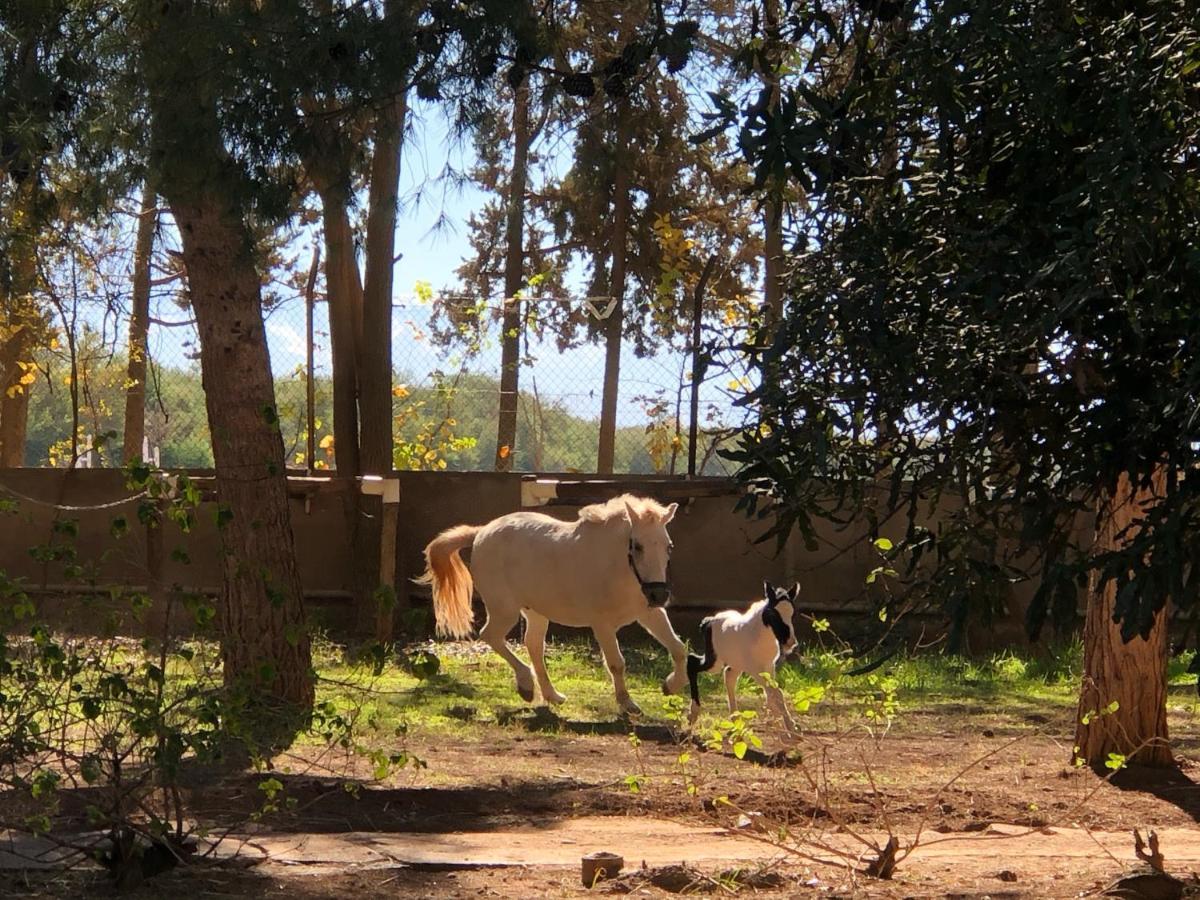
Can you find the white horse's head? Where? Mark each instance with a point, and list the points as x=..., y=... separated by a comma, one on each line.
x=644, y=522
x=650, y=547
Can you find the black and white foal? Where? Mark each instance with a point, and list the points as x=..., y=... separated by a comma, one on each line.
x=753, y=642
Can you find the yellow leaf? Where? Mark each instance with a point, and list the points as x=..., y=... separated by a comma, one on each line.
x=327, y=442
x=400, y=391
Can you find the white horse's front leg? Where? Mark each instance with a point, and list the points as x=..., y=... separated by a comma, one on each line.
x=655, y=621
x=776, y=701
x=615, y=660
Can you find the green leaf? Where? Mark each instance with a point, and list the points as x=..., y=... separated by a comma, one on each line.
x=883, y=544
x=739, y=749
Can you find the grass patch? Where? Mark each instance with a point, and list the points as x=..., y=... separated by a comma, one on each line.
x=473, y=688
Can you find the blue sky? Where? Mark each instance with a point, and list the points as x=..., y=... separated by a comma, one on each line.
x=432, y=239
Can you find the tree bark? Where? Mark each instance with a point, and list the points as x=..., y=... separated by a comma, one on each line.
x=1134, y=674
x=265, y=648
x=514, y=278
x=139, y=325
x=375, y=388
x=265, y=645
x=615, y=325
x=773, y=203
x=343, y=290
x=22, y=320
x=14, y=401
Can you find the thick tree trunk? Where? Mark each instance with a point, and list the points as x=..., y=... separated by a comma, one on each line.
x=375, y=388
x=343, y=290
x=773, y=203
x=1134, y=674
x=514, y=279
x=139, y=324
x=22, y=320
x=615, y=325
x=265, y=644
x=265, y=649
x=14, y=401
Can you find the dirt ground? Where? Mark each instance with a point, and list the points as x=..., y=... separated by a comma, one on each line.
x=996, y=810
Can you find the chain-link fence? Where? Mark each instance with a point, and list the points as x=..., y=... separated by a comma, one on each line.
x=446, y=391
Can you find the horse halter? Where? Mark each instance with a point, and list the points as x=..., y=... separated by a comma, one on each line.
x=643, y=583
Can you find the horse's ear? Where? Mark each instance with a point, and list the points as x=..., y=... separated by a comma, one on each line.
x=794, y=593
x=769, y=592
x=627, y=510
x=670, y=513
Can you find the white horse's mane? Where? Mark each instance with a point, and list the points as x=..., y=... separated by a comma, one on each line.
x=641, y=508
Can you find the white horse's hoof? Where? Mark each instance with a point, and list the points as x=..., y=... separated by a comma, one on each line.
x=629, y=708
x=553, y=697
x=526, y=692
x=673, y=684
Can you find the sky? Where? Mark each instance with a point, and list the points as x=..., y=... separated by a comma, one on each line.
x=432, y=240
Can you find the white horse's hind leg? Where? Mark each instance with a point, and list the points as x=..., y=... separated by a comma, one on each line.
x=499, y=623
x=615, y=660
x=535, y=642
x=655, y=621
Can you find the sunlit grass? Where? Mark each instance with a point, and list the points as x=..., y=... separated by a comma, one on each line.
x=475, y=688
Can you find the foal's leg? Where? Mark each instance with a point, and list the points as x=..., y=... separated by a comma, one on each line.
x=535, y=642
x=731, y=677
x=655, y=621
x=777, y=702
x=607, y=638
x=499, y=623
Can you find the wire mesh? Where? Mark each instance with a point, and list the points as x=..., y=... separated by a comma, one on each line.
x=445, y=393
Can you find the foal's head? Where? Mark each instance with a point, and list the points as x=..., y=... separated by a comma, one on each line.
x=777, y=614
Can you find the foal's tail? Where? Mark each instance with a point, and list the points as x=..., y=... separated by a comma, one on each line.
x=451, y=581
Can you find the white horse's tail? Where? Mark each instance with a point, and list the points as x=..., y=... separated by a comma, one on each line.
x=451, y=581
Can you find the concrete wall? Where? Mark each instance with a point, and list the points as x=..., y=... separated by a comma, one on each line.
x=717, y=562
x=321, y=523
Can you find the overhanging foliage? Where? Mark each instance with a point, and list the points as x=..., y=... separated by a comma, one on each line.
x=996, y=294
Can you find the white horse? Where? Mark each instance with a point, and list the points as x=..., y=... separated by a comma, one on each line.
x=604, y=570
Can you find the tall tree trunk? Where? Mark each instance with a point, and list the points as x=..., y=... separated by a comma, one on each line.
x=343, y=290
x=773, y=203
x=139, y=325
x=265, y=645
x=514, y=278
x=14, y=402
x=1134, y=674
x=615, y=324
x=265, y=648
x=22, y=321
x=375, y=389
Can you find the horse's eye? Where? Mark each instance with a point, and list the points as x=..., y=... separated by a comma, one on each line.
x=637, y=548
